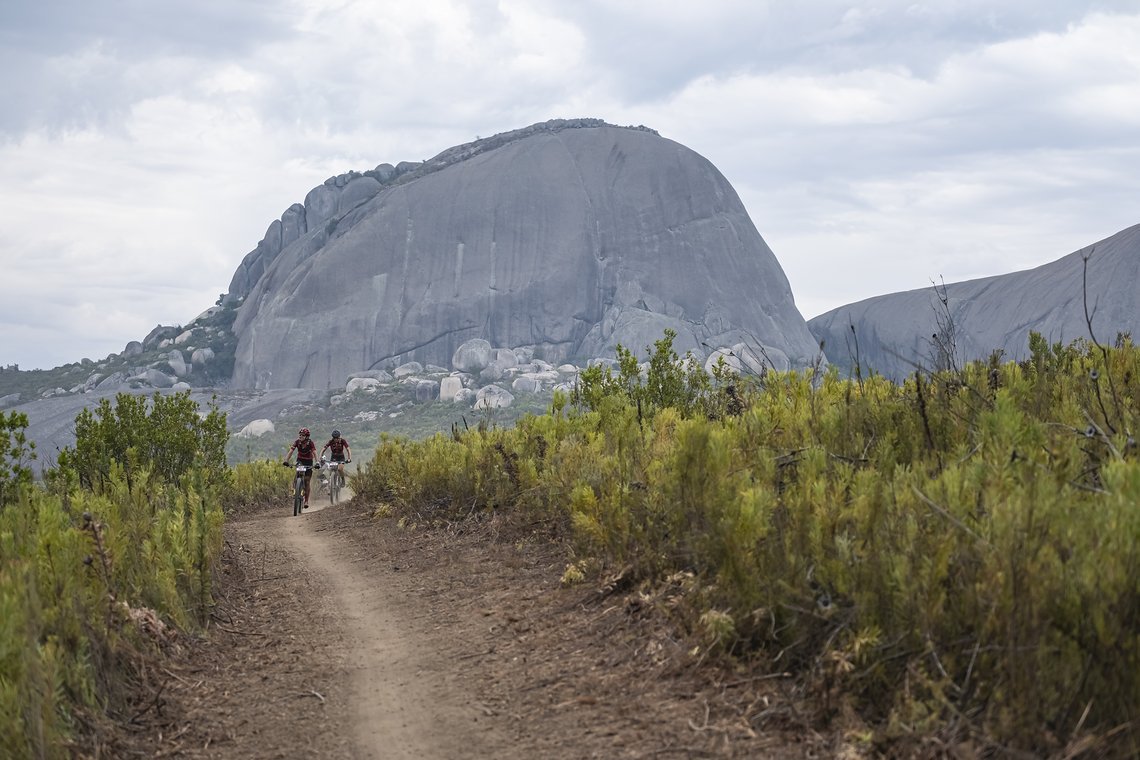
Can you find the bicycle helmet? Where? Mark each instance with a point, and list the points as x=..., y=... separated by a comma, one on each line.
x=303, y=432
x=336, y=434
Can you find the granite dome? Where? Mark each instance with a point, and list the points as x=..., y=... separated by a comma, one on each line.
x=894, y=332
x=567, y=237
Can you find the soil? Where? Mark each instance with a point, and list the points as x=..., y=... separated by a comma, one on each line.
x=342, y=635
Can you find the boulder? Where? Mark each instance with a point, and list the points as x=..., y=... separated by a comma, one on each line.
x=730, y=359
x=160, y=333
x=526, y=384
x=427, y=390
x=493, y=397
x=153, y=378
x=464, y=396
x=257, y=428
x=472, y=356
x=112, y=381
x=177, y=363
x=365, y=384
x=407, y=370
x=505, y=358
x=202, y=357
x=134, y=348
x=9, y=400
x=449, y=386
x=492, y=373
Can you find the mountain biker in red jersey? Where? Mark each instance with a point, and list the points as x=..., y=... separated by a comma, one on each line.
x=339, y=448
x=306, y=454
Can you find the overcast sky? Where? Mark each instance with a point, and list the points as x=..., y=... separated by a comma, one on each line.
x=878, y=145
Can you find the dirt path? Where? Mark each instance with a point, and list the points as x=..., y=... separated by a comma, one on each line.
x=399, y=701
x=341, y=636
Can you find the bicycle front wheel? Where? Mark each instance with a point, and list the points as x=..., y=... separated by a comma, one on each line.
x=298, y=495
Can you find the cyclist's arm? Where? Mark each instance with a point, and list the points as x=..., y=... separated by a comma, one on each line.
x=289, y=453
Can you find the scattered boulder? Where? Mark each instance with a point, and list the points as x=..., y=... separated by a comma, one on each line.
x=257, y=428
x=114, y=380
x=492, y=373
x=506, y=358
x=159, y=334
x=366, y=384
x=526, y=384
x=134, y=348
x=407, y=370
x=464, y=396
x=426, y=390
x=449, y=387
x=493, y=397
x=153, y=378
x=473, y=356
x=177, y=363
x=730, y=360
x=10, y=400
x=202, y=357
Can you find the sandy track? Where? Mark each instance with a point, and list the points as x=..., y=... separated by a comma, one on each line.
x=401, y=707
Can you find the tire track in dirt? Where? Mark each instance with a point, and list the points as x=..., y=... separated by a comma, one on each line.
x=401, y=706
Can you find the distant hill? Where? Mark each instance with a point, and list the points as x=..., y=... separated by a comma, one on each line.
x=895, y=332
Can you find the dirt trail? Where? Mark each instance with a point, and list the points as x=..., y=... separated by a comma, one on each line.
x=338, y=635
x=398, y=702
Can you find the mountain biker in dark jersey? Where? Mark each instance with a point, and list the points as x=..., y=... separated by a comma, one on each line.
x=306, y=454
x=339, y=448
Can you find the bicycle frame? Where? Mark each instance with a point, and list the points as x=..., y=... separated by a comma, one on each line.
x=300, y=471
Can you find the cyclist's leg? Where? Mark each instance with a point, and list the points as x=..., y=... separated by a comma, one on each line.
x=308, y=481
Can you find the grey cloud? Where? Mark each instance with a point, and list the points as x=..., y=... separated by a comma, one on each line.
x=649, y=53
x=75, y=64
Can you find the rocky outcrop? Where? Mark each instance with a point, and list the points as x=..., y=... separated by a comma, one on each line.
x=892, y=334
x=565, y=238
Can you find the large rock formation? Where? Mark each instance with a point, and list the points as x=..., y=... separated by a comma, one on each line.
x=568, y=237
x=894, y=333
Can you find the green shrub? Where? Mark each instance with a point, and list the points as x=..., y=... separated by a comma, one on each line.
x=77, y=563
x=958, y=554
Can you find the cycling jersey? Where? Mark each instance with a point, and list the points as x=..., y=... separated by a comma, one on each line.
x=336, y=447
x=306, y=450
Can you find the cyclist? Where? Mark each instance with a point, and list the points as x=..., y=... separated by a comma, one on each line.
x=341, y=452
x=306, y=454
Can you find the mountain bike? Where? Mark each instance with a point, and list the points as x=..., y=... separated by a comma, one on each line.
x=300, y=470
x=336, y=478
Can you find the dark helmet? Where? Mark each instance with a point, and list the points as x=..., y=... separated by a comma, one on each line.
x=303, y=432
x=336, y=434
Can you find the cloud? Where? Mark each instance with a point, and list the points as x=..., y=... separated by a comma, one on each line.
x=147, y=148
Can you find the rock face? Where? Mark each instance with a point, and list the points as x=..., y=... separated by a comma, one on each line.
x=565, y=237
x=896, y=331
